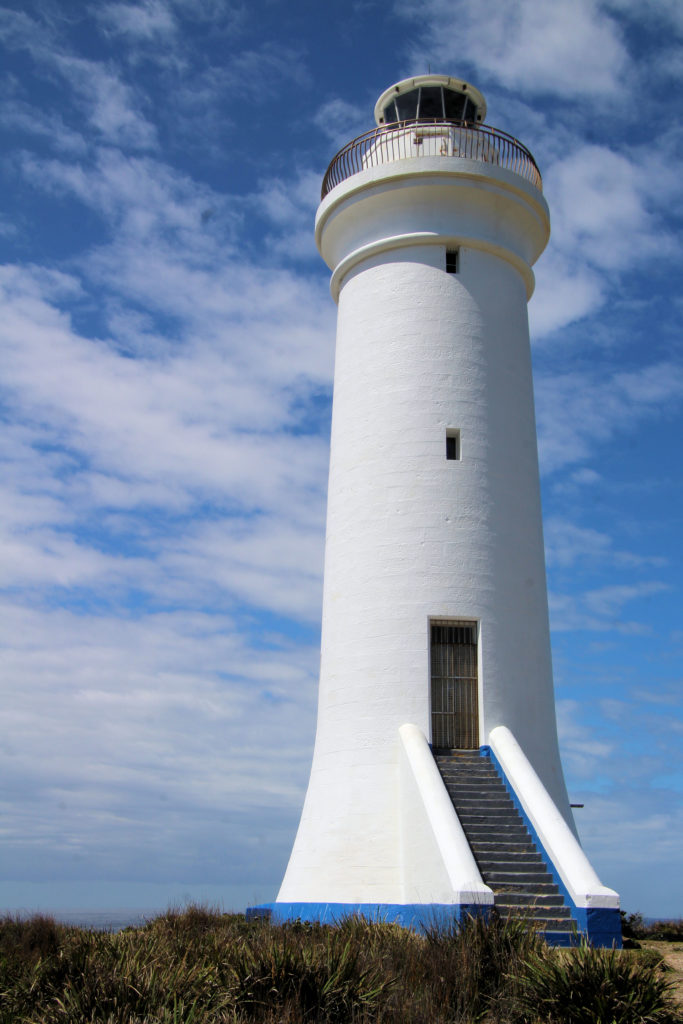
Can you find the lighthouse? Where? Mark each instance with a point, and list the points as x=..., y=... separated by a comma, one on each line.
x=436, y=788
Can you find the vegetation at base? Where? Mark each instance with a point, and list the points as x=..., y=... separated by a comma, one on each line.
x=199, y=966
x=633, y=926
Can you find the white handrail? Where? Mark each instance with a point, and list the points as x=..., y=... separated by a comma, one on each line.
x=560, y=843
x=461, y=867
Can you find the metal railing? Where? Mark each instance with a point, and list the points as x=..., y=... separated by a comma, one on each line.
x=408, y=140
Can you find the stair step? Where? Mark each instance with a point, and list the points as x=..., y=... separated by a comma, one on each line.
x=497, y=819
x=503, y=903
x=501, y=813
x=507, y=857
x=473, y=778
x=476, y=790
x=519, y=899
x=498, y=863
x=484, y=846
x=501, y=874
x=506, y=833
x=501, y=878
x=492, y=808
x=483, y=802
x=517, y=861
x=539, y=888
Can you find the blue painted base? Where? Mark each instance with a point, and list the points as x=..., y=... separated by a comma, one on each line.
x=420, y=916
x=600, y=927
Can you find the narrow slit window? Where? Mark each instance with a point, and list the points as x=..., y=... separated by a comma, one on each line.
x=451, y=261
x=453, y=444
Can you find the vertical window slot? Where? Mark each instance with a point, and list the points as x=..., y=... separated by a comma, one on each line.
x=452, y=444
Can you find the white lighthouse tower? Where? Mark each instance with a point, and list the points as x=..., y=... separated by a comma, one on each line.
x=436, y=698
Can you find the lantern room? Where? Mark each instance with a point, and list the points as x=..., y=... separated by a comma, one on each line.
x=431, y=98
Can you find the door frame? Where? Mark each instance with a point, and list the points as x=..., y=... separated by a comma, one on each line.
x=456, y=620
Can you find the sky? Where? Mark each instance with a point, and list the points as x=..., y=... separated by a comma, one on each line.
x=167, y=349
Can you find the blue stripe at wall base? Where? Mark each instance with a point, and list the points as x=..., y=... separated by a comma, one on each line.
x=419, y=916
x=600, y=925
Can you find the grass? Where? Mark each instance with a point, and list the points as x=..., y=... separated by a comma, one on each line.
x=199, y=966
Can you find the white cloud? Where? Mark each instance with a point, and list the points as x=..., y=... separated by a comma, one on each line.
x=613, y=756
x=566, y=291
x=342, y=121
x=606, y=219
x=196, y=418
x=112, y=106
x=114, y=728
x=584, y=753
x=566, y=544
x=289, y=205
x=20, y=116
x=570, y=48
x=272, y=563
x=578, y=411
x=602, y=609
x=140, y=197
x=607, y=602
x=18, y=30
x=599, y=203
x=151, y=19
x=665, y=14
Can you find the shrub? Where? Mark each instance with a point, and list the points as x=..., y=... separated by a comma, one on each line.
x=476, y=962
x=204, y=967
x=670, y=931
x=632, y=925
x=322, y=981
x=596, y=986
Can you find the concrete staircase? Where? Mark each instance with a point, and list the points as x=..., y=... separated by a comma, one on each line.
x=507, y=857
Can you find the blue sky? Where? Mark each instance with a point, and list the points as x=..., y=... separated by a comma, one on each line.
x=167, y=352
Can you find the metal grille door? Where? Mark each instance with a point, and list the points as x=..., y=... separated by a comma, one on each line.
x=455, y=710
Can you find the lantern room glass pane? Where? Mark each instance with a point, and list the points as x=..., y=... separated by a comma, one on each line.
x=470, y=111
x=431, y=103
x=455, y=104
x=407, y=105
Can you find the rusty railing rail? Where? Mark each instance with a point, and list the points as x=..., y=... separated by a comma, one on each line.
x=419, y=138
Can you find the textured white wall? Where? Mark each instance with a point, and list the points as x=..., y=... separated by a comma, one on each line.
x=411, y=535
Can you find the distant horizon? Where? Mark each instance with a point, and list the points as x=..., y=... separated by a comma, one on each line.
x=116, y=918
x=214, y=898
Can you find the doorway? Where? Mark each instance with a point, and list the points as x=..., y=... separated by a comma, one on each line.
x=455, y=704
